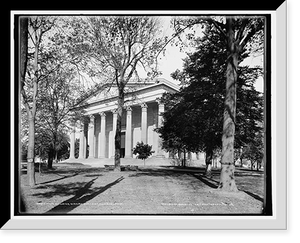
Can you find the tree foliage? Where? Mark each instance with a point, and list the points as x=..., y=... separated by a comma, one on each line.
x=49, y=90
x=254, y=151
x=142, y=150
x=32, y=32
x=238, y=34
x=194, y=116
x=57, y=96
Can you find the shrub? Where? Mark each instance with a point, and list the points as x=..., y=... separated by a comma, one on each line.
x=142, y=150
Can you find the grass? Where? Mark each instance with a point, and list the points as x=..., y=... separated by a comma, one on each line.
x=77, y=189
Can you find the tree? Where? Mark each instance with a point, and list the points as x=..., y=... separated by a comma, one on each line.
x=172, y=141
x=111, y=48
x=254, y=151
x=143, y=151
x=237, y=33
x=45, y=148
x=194, y=115
x=30, y=76
x=52, y=76
x=58, y=94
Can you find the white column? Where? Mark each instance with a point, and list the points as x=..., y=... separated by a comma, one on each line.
x=144, y=123
x=81, y=143
x=161, y=110
x=91, y=136
x=102, y=141
x=115, y=116
x=72, y=144
x=84, y=145
x=128, y=138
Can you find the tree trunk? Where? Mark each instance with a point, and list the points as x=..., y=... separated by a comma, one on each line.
x=50, y=158
x=31, y=115
x=208, y=163
x=56, y=160
x=30, y=152
x=227, y=181
x=184, y=158
x=52, y=152
x=23, y=47
x=118, y=129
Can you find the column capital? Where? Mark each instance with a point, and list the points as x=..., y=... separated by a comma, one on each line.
x=158, y=100
x=128, y=108
x=114, y=111
x=144, y=105
x=92, y=118
x=102, y=114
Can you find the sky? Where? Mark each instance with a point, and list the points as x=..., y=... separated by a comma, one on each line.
x=173, y=60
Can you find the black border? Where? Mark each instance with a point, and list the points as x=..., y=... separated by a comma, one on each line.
x=268, y=204
x=267, y=92
x=217, y=5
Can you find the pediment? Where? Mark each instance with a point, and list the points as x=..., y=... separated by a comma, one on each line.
x=106, y=93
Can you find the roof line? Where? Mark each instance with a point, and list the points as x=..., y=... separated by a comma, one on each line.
x=158, y=82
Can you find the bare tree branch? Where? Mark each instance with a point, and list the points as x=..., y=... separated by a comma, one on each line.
x=255, y=27
x=240, y=32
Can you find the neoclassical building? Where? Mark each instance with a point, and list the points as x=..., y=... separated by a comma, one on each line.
x=141, y=115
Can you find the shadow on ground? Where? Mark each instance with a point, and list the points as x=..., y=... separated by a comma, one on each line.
x=211, y=183
x=58, y=179
x=64, y=172
x=153, y=172
x=80, y=190
x=214, y=184
x=198, y=173
x=82, y=196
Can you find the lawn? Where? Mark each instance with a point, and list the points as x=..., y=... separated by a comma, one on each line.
x=78, y=189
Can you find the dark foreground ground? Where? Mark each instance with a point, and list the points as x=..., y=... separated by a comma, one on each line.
x=78, y=189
